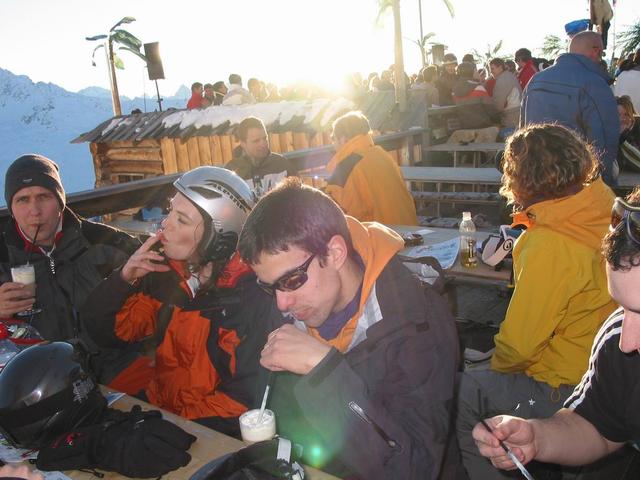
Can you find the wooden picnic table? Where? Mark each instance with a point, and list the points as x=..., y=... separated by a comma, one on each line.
x=482, y=275
x=209, y=445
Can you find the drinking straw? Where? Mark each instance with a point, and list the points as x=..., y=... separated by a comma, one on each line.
x=265, y=396
x=507, y=450
x=35, y=238
x=510, y=454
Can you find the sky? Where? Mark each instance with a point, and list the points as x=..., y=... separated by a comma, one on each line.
x=279, y=41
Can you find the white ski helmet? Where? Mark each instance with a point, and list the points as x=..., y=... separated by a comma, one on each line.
x=224, y=200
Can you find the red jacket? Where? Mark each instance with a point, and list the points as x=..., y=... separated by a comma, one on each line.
x=195, y=101
x=208, y=347
x=525, y=73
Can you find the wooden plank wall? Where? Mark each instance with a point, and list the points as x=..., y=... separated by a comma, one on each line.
x=172, y=155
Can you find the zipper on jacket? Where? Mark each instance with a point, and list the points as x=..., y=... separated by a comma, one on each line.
x=357, y=409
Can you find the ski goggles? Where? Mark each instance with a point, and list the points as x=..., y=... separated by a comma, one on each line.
x=630, y=215
x=290, y=281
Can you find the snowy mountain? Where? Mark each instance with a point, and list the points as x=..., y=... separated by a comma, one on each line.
x=44, y=118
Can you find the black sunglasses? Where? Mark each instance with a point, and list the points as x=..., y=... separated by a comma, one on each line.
x=290, y=281
x=630, y=215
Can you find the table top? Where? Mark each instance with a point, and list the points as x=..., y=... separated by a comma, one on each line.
x=482, y=274
x=209, y=446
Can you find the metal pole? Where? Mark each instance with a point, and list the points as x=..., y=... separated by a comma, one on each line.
x=158, y=94
x=144, y=89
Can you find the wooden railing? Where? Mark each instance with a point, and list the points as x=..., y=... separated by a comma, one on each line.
x=115, y=198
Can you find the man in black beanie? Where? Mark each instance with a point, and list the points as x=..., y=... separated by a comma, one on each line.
x=70, y=254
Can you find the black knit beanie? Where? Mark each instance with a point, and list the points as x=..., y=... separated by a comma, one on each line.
x=33, y=170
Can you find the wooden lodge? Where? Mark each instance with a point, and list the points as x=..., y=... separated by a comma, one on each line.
x=139, y=146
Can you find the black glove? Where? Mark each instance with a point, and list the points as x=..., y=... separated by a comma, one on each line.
x=135, y=444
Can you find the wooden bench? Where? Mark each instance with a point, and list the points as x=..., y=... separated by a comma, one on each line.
x=466, y=175
x=628, y=180
x=474, y=148
x=450, y=175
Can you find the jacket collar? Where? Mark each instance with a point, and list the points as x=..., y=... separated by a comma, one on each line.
x=356, y=144
x=376, y=245
x=586, y=62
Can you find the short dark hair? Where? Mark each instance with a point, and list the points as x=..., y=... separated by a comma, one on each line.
x=523, y=54
x=218, y=84
x=292, y=215
x=195, y=85
x=498, y=62
x=350, y=125
x=235, y=79
x=465, y=70
x=243, y=127
x=207, y=86
x=620, y=251
x=469, y=58
x=430, y=73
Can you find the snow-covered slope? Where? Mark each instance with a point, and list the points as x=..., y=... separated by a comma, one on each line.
x=44, y=118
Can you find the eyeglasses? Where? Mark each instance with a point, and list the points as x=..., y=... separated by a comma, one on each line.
x=290, y=281
x=630, y=214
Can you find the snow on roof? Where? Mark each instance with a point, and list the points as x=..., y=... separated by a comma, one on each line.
x=308, y=115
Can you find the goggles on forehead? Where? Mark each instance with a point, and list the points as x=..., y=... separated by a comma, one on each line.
x=622, y=212
x=290, y=281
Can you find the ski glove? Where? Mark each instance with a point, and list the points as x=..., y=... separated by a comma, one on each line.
x=135, y=444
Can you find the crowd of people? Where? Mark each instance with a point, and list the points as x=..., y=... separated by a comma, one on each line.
x=574, y=90
x=255, y=278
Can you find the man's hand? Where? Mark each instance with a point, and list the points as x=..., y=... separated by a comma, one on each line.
x=19, y=471
x=516, y=432
x=144, y=261
x=292, y=350
x=12, y=299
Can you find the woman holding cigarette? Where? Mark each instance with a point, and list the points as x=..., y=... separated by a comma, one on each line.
x=188, y=293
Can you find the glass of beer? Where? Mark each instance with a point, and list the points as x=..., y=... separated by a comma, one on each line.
x=26, y=275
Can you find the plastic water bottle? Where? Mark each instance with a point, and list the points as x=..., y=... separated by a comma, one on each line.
x=468, y=256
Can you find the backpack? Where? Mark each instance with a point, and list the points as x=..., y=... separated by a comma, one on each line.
x=268, y=460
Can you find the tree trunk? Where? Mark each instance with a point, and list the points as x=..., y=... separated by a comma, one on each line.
x=422, y=48
x=115, y=95
x=401, y=86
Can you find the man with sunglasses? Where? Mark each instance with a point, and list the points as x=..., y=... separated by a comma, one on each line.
x=364, y=359
x=601, y=414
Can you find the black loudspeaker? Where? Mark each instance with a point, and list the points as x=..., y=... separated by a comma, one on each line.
x=437, y=53
x=154, y=62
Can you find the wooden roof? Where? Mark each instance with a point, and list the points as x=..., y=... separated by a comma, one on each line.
x=312, y=115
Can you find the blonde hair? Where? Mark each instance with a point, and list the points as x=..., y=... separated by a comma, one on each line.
x=545, y=161
x=350, y=125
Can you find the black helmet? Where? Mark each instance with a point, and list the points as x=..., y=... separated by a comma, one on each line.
x=47, y=390
x=225, y=200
